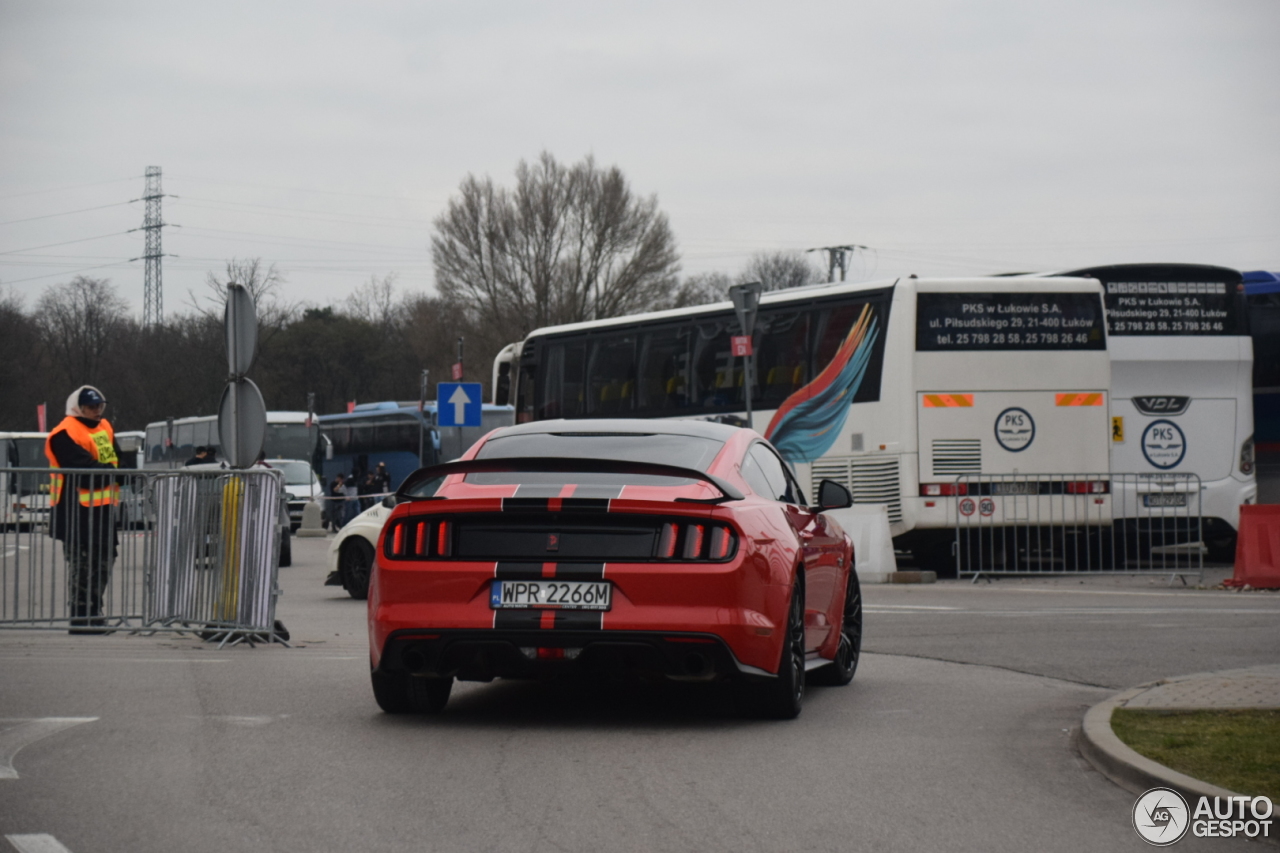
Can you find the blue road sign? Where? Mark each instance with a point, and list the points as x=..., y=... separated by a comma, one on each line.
x=458, y=404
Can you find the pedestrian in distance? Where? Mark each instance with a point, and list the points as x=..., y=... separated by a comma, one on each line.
x=367, y=488
x=351, y=488
x=201, y=457
x=337, y=501
x=83, y=506
x=382, y=478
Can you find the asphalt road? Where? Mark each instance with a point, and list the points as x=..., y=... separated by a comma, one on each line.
x=957, y=734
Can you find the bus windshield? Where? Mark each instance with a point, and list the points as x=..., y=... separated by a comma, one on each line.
x=290, y=441
x=25, y=453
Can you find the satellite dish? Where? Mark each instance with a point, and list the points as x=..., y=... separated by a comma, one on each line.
x=241, y=323
x=242, y=423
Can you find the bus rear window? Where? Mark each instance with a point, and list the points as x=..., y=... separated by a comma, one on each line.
x=1008, y=321
x=1172, y=308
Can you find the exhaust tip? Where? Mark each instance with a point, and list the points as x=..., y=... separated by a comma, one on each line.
x=696, y=665
x=413, y=659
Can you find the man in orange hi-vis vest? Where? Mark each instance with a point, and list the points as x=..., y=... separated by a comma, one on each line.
x=84, y=515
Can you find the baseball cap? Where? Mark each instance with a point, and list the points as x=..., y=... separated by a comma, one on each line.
x=89, y=397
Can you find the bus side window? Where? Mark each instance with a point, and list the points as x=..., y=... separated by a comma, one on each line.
x=662, y=380
x=611, y=376
x=502, y=391
x=782, y=350
x=562, y=387
x=524, y=393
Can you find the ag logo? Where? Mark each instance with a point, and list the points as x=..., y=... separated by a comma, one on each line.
x=1163, y=444
x=1015, y=429
x=1160, y=816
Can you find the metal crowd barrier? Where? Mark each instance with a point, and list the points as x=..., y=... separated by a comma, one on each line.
x=181, y=550
x=1064, y=524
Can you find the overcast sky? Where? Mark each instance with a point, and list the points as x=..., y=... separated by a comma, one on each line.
x=950, y=138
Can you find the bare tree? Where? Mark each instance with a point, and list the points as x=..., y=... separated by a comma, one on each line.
x=263, y=283
x=780, y=270
x=568, y=243
x=701, y=289
x=78, y=323
x=374, y=301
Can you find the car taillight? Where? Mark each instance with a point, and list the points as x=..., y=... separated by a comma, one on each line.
x=693, y=541
x=421, y=539
x=1088, y=487
x=444, y=539
x=942, y=490
x=721, y=543
x=667, y=541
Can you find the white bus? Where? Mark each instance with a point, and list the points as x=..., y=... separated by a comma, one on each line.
x=24, y=497
x=172, y=442
x=1182, y=394
x=902, y=391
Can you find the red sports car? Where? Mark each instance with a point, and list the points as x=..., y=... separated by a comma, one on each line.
x=677, y=549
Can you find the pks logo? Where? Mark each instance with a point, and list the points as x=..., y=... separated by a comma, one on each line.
x=1160, y=817
x=1164, y=444
x=1015, y=430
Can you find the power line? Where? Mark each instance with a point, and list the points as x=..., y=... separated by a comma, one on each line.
x=298, y=189
x=66, y=272
x=64, y=213
x=186, y=199
x=66, y=243
x=70, y=187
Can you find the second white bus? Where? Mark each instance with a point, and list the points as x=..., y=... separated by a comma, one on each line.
x=903, y=391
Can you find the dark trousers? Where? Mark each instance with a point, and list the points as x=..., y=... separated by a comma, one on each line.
x=88, y=571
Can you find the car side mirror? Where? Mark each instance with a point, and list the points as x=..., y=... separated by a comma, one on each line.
x=832, y=495
x=389, y=501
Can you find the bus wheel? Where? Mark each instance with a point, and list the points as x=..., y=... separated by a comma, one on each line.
x=356, y=563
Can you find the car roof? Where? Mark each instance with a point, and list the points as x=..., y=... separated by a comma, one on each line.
x=632, y=426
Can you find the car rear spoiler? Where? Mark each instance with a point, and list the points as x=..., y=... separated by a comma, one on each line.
x=554, y=464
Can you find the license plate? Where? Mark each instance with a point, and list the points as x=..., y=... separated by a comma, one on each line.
x=1015, y=488
x=1172, y=499
x=551, y=594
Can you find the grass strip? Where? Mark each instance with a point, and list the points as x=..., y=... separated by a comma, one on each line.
x=1238, y=749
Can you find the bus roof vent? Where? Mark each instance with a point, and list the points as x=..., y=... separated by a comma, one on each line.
x=957, y=456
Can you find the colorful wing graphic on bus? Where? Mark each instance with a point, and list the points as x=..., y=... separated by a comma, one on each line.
x=807, y=423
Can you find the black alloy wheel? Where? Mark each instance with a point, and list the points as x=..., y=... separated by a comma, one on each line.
x=356, y=564
x=781, y=698
x=840, y=671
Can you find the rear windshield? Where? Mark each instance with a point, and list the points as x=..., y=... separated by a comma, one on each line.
x=1009, y=321
x=682, y=451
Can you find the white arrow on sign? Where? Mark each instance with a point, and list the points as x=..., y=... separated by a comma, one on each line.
x=459, y=400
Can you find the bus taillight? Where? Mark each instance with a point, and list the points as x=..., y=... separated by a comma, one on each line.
x=942, y=490
x=1088, y=487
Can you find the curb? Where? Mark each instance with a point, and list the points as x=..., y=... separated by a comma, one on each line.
x=1111, y=757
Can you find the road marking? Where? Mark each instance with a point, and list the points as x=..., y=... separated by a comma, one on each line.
x=36, y=844
x=87, y=659
x=909, y=607
x=29, y=731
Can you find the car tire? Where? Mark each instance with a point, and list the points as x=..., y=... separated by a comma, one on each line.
x=355, y=561
x=780, y=698
x=429, y=695
x=401, y=693
x=286, y=549
x=391, y=692
x=840, y=671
